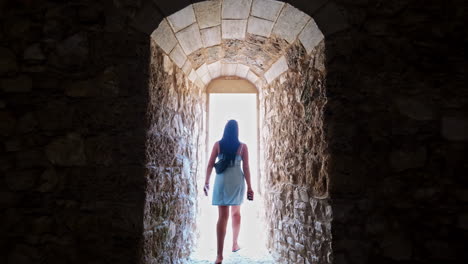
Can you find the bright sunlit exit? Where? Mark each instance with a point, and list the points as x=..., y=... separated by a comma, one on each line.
x=241, y=107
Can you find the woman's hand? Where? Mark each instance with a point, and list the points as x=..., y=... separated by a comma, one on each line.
x=206, y=189
x=250, y=194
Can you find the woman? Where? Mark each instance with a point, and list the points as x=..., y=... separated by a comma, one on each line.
x=229, y=186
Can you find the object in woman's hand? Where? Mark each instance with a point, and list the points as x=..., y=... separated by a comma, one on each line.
x=250, y=196
x=206, y=189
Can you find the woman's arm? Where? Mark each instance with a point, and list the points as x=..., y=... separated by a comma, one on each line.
x=246, y=168
x=209, y=168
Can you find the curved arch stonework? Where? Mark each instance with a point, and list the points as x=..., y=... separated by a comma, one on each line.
x=241, y=38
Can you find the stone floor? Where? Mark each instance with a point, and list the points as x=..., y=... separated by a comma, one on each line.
x=244, y=256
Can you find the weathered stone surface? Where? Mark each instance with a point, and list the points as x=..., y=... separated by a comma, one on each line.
x=19, y=84
x=182, y=19
x=215, y=69
x=187, y=67
x=310, y=36
x=164, y=36
x=67, y=151
x=455, y=128
x=276, y=69
x=193, y=75
x=8, y=62
x=407, y=159
x=73, y=51
x=397, y=247
x=83, y=88
x=189, y=39
x=259, y=26
x=228, y=69
x=234, y=29
x=178, y=56
x=290, y=22
x=202, y=70
x=414, y=109
x=252, y=76
x=175, y=141
x=242, y=70
x=21, y=180
x=266, y=9
x=34, y=53
x=211, y=36
x=236, y=9
x=208, y=13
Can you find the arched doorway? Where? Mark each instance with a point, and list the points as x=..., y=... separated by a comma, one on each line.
x=280, y=49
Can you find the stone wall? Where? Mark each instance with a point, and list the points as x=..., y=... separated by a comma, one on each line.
x=396, y=133
x=174, y=148
x=73, y=98
x=295, y=166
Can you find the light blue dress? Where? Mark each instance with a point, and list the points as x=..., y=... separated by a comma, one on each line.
x=229, y=186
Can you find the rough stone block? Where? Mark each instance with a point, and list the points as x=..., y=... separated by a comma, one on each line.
x=192, y=76
x=164, y=37
x=234, y=29
x=206, y=79
x=228, y=69
x=211, y=36
x=252, y=77
x=202, y=70
x=189, y=39
x=215, y=69
x=259, y=26
x=20, y=84
x=414, y=109
x=67, y=151
x=290, y=22
x=266, y=9
x=242, y=70
x=34, y=53
x=7, y=61
x=330, y=19
x=455, y=128
x=208, y=13
x=310, y=36
x=182, y=18
x=187, y=67
x=280, y=66
x=178, y=56
x=236, y=9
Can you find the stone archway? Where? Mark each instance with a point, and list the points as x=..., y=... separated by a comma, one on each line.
x=281, y=50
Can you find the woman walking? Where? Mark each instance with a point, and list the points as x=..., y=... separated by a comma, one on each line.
x=229, y=186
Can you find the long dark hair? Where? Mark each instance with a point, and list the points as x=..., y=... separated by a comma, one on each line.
x=230, y=142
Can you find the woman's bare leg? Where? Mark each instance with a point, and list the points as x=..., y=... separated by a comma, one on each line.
x=223, y=216
x=236, y=221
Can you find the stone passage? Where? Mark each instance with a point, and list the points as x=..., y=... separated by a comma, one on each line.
x=281, y=50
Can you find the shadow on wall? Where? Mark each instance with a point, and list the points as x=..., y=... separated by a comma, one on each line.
x=72, y=113
x=395, y=164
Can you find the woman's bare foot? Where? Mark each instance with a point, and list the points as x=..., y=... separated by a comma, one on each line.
x=219, y=260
